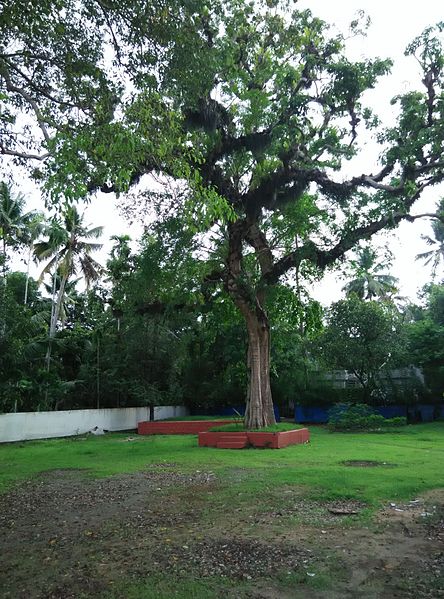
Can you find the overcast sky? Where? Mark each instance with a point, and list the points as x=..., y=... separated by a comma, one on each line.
x=393, y=25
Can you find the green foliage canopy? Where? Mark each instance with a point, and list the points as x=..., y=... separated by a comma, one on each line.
x=365, y=338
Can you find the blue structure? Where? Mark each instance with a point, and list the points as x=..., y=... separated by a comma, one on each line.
x=314, y=415
x=417, y=413
x=391, y=411
x=424, y=413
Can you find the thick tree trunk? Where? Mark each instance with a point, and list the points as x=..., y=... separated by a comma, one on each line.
x=259, y=409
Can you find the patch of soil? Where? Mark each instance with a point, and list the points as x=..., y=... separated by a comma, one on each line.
x=70, y=499
x=65, y=536
x=368, y=464
x=309, y=512
x=62, y=527
x=236, y=558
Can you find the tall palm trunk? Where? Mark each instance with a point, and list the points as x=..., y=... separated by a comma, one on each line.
x=3, y=292
x=28, y=262
x=4, y=260
x=51, y=320
x=55, y=317
x=55, y=312
x=4, y=268
x=98, y=373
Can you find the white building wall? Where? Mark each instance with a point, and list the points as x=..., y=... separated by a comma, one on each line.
x=23, y=426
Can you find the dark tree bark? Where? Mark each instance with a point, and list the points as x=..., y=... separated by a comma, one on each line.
x=250, y=302
x=259, y=405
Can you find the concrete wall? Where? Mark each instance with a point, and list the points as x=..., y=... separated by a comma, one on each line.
x=22, y=426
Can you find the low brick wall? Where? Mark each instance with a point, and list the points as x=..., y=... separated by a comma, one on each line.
x=178, y=427
x=236, y=440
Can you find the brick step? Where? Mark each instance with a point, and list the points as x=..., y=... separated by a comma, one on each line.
x=231, y=444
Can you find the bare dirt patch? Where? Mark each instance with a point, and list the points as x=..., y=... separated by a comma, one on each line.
x=368, y=464
x=307, y=512
x=237, y=557
x=65, y=535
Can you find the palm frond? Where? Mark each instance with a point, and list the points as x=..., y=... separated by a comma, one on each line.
x=426, y=256
x=90, y=268
x=48, y=268
x=43, y=250
x=84, y=246
x=93, y=233
x=428, y=240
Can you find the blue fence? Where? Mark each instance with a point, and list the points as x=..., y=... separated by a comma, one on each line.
x=313, y=415
x=418, y=413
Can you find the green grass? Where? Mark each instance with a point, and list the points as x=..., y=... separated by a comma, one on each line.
x=166, y=588
x=417, y=453
x=273, y=428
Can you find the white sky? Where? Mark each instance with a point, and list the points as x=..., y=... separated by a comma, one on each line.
x=394, y=25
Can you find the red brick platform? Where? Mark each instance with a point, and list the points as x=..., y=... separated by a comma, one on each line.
x=240, y=440
x=178, y=427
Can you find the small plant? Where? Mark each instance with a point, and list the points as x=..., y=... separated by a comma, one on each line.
x=359, y=417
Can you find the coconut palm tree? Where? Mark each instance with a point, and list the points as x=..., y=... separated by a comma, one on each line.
x=12, y=222
x=119, y=268
x=369, y=282
x=35, y=227
x=436, y=255
x=69, y=298
x=68, y=250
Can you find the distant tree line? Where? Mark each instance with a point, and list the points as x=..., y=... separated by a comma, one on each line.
x=120, y=342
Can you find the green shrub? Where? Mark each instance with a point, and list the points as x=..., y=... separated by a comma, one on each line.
x=360, y=417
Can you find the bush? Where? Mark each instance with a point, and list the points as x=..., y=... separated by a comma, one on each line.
x=359, y=417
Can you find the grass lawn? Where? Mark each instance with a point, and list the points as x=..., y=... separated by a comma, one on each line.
x=166, y=497
x=416, y=450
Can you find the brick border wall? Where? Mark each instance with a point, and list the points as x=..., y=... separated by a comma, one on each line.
x=257, y=439
x=179, y=427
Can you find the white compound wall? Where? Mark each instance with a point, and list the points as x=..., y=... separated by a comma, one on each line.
x=22, y=426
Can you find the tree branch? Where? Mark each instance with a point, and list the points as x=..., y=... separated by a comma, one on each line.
x=323, y=258
x=256, y=238
x=7, y=152
x=108, y=23
x=38, y=89
x=26, y=96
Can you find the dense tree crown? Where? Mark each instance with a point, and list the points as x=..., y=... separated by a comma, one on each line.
x=364, y=338
x=252, y=108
